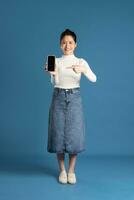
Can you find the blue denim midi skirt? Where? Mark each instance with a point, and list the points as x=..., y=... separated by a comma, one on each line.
x=66, y=128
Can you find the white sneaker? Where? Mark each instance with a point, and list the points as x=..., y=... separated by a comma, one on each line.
x=71, y=178
x=63, y=177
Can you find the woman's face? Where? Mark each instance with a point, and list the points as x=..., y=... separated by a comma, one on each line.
x=68, y=45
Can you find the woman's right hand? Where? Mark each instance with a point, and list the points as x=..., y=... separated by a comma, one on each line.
x=51, y=72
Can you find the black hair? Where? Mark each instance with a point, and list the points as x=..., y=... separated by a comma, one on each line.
x=68, y=32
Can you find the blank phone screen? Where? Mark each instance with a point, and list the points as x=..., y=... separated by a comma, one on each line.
x=51, y=63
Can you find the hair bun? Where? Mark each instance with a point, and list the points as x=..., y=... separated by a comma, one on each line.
x=67, y=29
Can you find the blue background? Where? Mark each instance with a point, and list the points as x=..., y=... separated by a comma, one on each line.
x=30, y=31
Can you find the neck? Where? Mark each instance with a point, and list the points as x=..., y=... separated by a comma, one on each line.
x=69, y=55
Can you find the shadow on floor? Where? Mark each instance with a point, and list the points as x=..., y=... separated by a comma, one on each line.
x=29, y=166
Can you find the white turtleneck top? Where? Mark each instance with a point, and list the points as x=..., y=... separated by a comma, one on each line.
x=66, y=77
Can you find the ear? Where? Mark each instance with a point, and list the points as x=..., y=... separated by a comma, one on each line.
x=75, y=45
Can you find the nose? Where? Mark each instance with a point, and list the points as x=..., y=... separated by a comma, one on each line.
x=67, y=45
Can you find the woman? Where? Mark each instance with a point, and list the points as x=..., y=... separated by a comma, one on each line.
x=66, y=129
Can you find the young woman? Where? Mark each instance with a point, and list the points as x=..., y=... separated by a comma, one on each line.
x=66, y=129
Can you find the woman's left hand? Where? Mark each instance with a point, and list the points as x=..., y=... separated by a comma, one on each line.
x=78, y=68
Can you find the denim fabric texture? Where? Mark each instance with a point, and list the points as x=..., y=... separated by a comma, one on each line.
x=66, y=128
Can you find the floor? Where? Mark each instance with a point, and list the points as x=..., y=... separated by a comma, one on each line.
x=98, y=178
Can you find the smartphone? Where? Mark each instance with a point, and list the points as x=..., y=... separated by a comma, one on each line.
x=51, y=63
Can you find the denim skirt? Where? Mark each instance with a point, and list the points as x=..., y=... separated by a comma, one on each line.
x=66, y=128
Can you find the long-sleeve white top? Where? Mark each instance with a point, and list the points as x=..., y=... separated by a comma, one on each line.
x=66, y=77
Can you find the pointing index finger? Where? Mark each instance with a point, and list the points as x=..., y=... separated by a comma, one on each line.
x=71, y=67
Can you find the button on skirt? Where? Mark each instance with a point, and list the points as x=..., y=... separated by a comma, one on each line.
x=66, y=127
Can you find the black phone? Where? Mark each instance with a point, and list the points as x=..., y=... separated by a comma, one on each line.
x=51, y=63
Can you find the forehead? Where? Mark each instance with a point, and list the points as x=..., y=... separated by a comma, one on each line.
x=67, y=38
